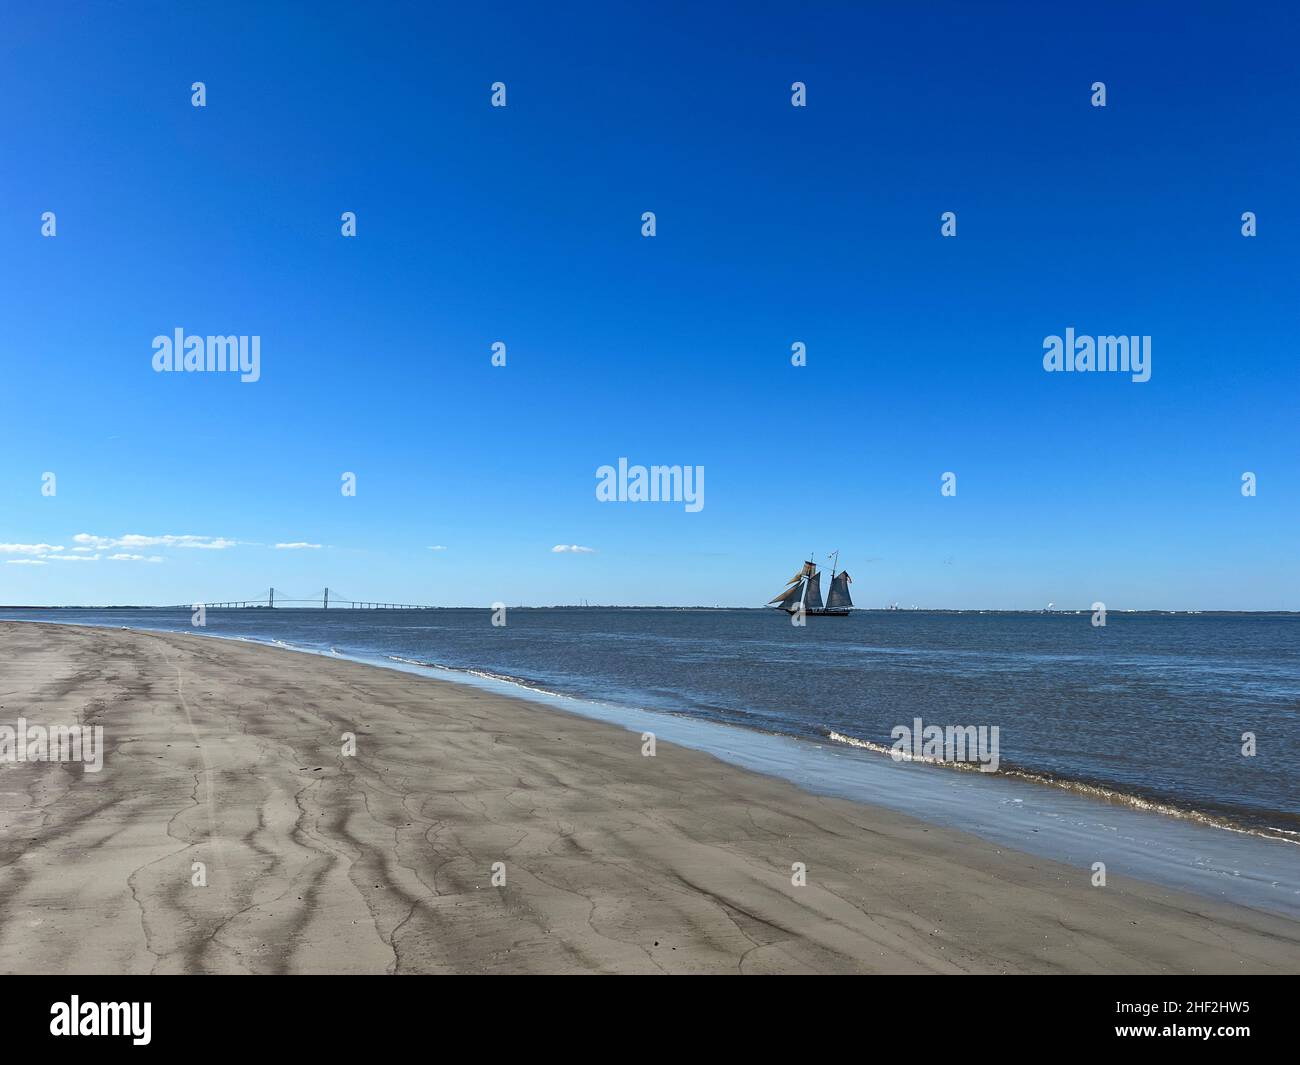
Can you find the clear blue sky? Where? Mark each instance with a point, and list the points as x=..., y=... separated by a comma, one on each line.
x=775, y=224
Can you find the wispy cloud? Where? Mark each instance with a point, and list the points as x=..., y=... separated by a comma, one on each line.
x=28, y=549
x=50, y=553
x=437, y=547
x=298, y=546
x=207, y=543
x=575, y=549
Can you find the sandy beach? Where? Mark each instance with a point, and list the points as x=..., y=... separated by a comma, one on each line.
x=223, y=763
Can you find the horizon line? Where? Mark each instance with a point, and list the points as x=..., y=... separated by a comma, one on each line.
x=654, y=606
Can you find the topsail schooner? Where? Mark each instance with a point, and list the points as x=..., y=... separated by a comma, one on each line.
x=805, y=592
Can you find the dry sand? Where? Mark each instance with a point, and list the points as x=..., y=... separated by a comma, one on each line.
x=230, y=755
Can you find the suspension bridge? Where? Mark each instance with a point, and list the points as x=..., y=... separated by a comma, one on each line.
x=321, y=599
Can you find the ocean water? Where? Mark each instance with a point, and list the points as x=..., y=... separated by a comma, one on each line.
x=1120, y=743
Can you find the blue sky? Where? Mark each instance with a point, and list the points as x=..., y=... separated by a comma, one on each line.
x=775, y=224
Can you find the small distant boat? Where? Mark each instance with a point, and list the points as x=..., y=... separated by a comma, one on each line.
x=805, y=592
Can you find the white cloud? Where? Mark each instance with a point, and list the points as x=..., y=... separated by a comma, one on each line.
x=207, y=543
x=72, y=558
x=23, y=562
x=299, y=546
x=437, y=547
x=28, y=549
x=134, y=558
x=573, y=549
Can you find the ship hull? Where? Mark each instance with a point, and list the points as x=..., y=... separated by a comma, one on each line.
x=823, y=612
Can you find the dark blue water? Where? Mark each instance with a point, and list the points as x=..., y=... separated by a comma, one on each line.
x=1148, y=708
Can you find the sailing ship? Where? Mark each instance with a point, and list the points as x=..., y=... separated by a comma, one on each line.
x=804, y=591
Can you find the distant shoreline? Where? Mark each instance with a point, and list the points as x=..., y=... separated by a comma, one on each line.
x=974, y=611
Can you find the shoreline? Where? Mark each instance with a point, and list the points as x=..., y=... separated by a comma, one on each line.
x=1164, y=844
x=1272, y=827
x=227, y=753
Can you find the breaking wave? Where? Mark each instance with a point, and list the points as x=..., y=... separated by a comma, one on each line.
x=1081, y=787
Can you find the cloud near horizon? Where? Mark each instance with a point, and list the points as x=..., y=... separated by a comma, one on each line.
x=573, y=549
x=28, y=549
x=89, y=548
x=207, y=543
x=298, y=546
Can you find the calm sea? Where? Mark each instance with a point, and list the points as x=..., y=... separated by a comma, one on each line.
x=1146, y=711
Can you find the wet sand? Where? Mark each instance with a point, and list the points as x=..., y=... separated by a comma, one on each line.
x=230, y=755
